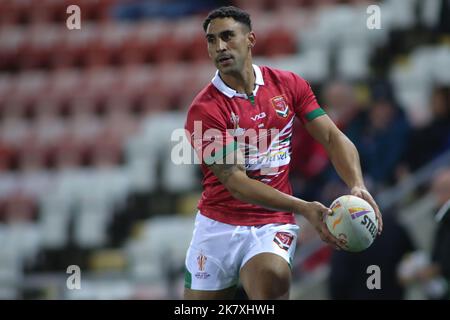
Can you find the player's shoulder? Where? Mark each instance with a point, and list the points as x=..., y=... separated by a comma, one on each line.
x=206, y=101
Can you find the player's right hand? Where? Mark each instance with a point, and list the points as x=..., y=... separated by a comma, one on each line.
x=315, y=213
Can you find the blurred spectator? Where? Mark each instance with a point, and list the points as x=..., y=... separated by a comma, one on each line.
x=309, y=160
x=443, y=27
x=310, y=166
x=381, y=138
x=435, y=276
x=340, y=103
x=348, y=271
x=420, y=150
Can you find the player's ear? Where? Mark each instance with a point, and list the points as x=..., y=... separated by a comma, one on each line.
x=251, y=39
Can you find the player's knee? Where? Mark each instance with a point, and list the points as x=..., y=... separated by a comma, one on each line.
x=281, y=281
x=275, y=284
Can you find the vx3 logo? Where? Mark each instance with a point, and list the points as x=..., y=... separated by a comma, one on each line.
x=260, y=116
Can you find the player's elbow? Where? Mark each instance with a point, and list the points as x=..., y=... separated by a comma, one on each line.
x=236, y=185
x=237, y=194
x=339, y=141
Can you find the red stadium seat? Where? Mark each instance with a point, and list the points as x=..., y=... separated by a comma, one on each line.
x=8, y=19
x=106, y=148
x=12, y=39
x=137, y=47
x=155, y=99
x=196, y=48
x=166, y=47
x=64, y=85
x=48, y=128
x=279, y=42
x=41, y=12
x=19, y=207
x=78, y=47
x=8, y=156
x=32, y=153
x=67, y=152
x=97, y=84
x=6, y=87
x=37, y=50
x=31, y=84
x=251, y=5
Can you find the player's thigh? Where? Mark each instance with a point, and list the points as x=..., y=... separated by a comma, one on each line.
x=224, y=294
x=266, y=276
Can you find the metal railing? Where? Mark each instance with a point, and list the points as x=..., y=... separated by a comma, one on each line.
x=396, y=194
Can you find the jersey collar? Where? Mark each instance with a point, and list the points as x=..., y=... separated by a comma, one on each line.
x=230, y=93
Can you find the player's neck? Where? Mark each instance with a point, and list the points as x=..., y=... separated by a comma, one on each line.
x=242, y=82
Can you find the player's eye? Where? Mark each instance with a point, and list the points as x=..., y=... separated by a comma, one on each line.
x=227, y=36
x=210, y=39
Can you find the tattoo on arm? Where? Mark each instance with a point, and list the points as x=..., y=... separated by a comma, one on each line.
x=224, y=171
x=230, y=164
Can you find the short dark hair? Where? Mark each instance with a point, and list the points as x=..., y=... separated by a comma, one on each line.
x=228, y=12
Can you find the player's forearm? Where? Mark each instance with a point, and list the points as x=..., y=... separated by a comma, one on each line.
x=345, y=158
x=257, y=193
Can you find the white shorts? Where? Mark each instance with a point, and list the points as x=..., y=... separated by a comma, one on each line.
x=218, y=250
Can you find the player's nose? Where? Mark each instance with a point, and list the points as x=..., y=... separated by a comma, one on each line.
x=221, y=45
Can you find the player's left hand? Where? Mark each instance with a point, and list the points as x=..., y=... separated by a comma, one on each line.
x=364, y=194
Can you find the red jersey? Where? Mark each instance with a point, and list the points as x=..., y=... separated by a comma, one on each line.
x=220, y=120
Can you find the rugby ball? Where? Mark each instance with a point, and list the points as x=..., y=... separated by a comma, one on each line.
x=353, y=220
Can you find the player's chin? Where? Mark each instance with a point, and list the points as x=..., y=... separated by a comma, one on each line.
x=226, y=67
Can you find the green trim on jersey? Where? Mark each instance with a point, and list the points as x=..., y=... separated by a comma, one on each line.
x=229, y=148
x=187, y=279
x=315, y=113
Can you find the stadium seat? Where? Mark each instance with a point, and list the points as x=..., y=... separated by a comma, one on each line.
x=106, y=148
x=279, y=42
x=12, y=39
x=189, y=34
x=59, y=205
x=8, y=156
x=37, y=184
x=155, y=243
x=68, y=152
x=441, y=65
x=54, y=222
x=102, y=191
x=6, y=87
x=412, y=86
x=353, y=62
x=48, y=127
x=29, y=86
x=41, y=39
x=32, y=154
x=19, y=208
x=398, y=15
x=196, y=48
x=13, y=130
x=13, y=16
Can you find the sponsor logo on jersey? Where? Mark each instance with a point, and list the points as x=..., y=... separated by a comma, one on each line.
x=260, y=116
x=280, y=105
x=283, y=240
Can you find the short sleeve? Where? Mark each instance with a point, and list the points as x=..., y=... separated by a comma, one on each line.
x=207, y=132
x=306, y=106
